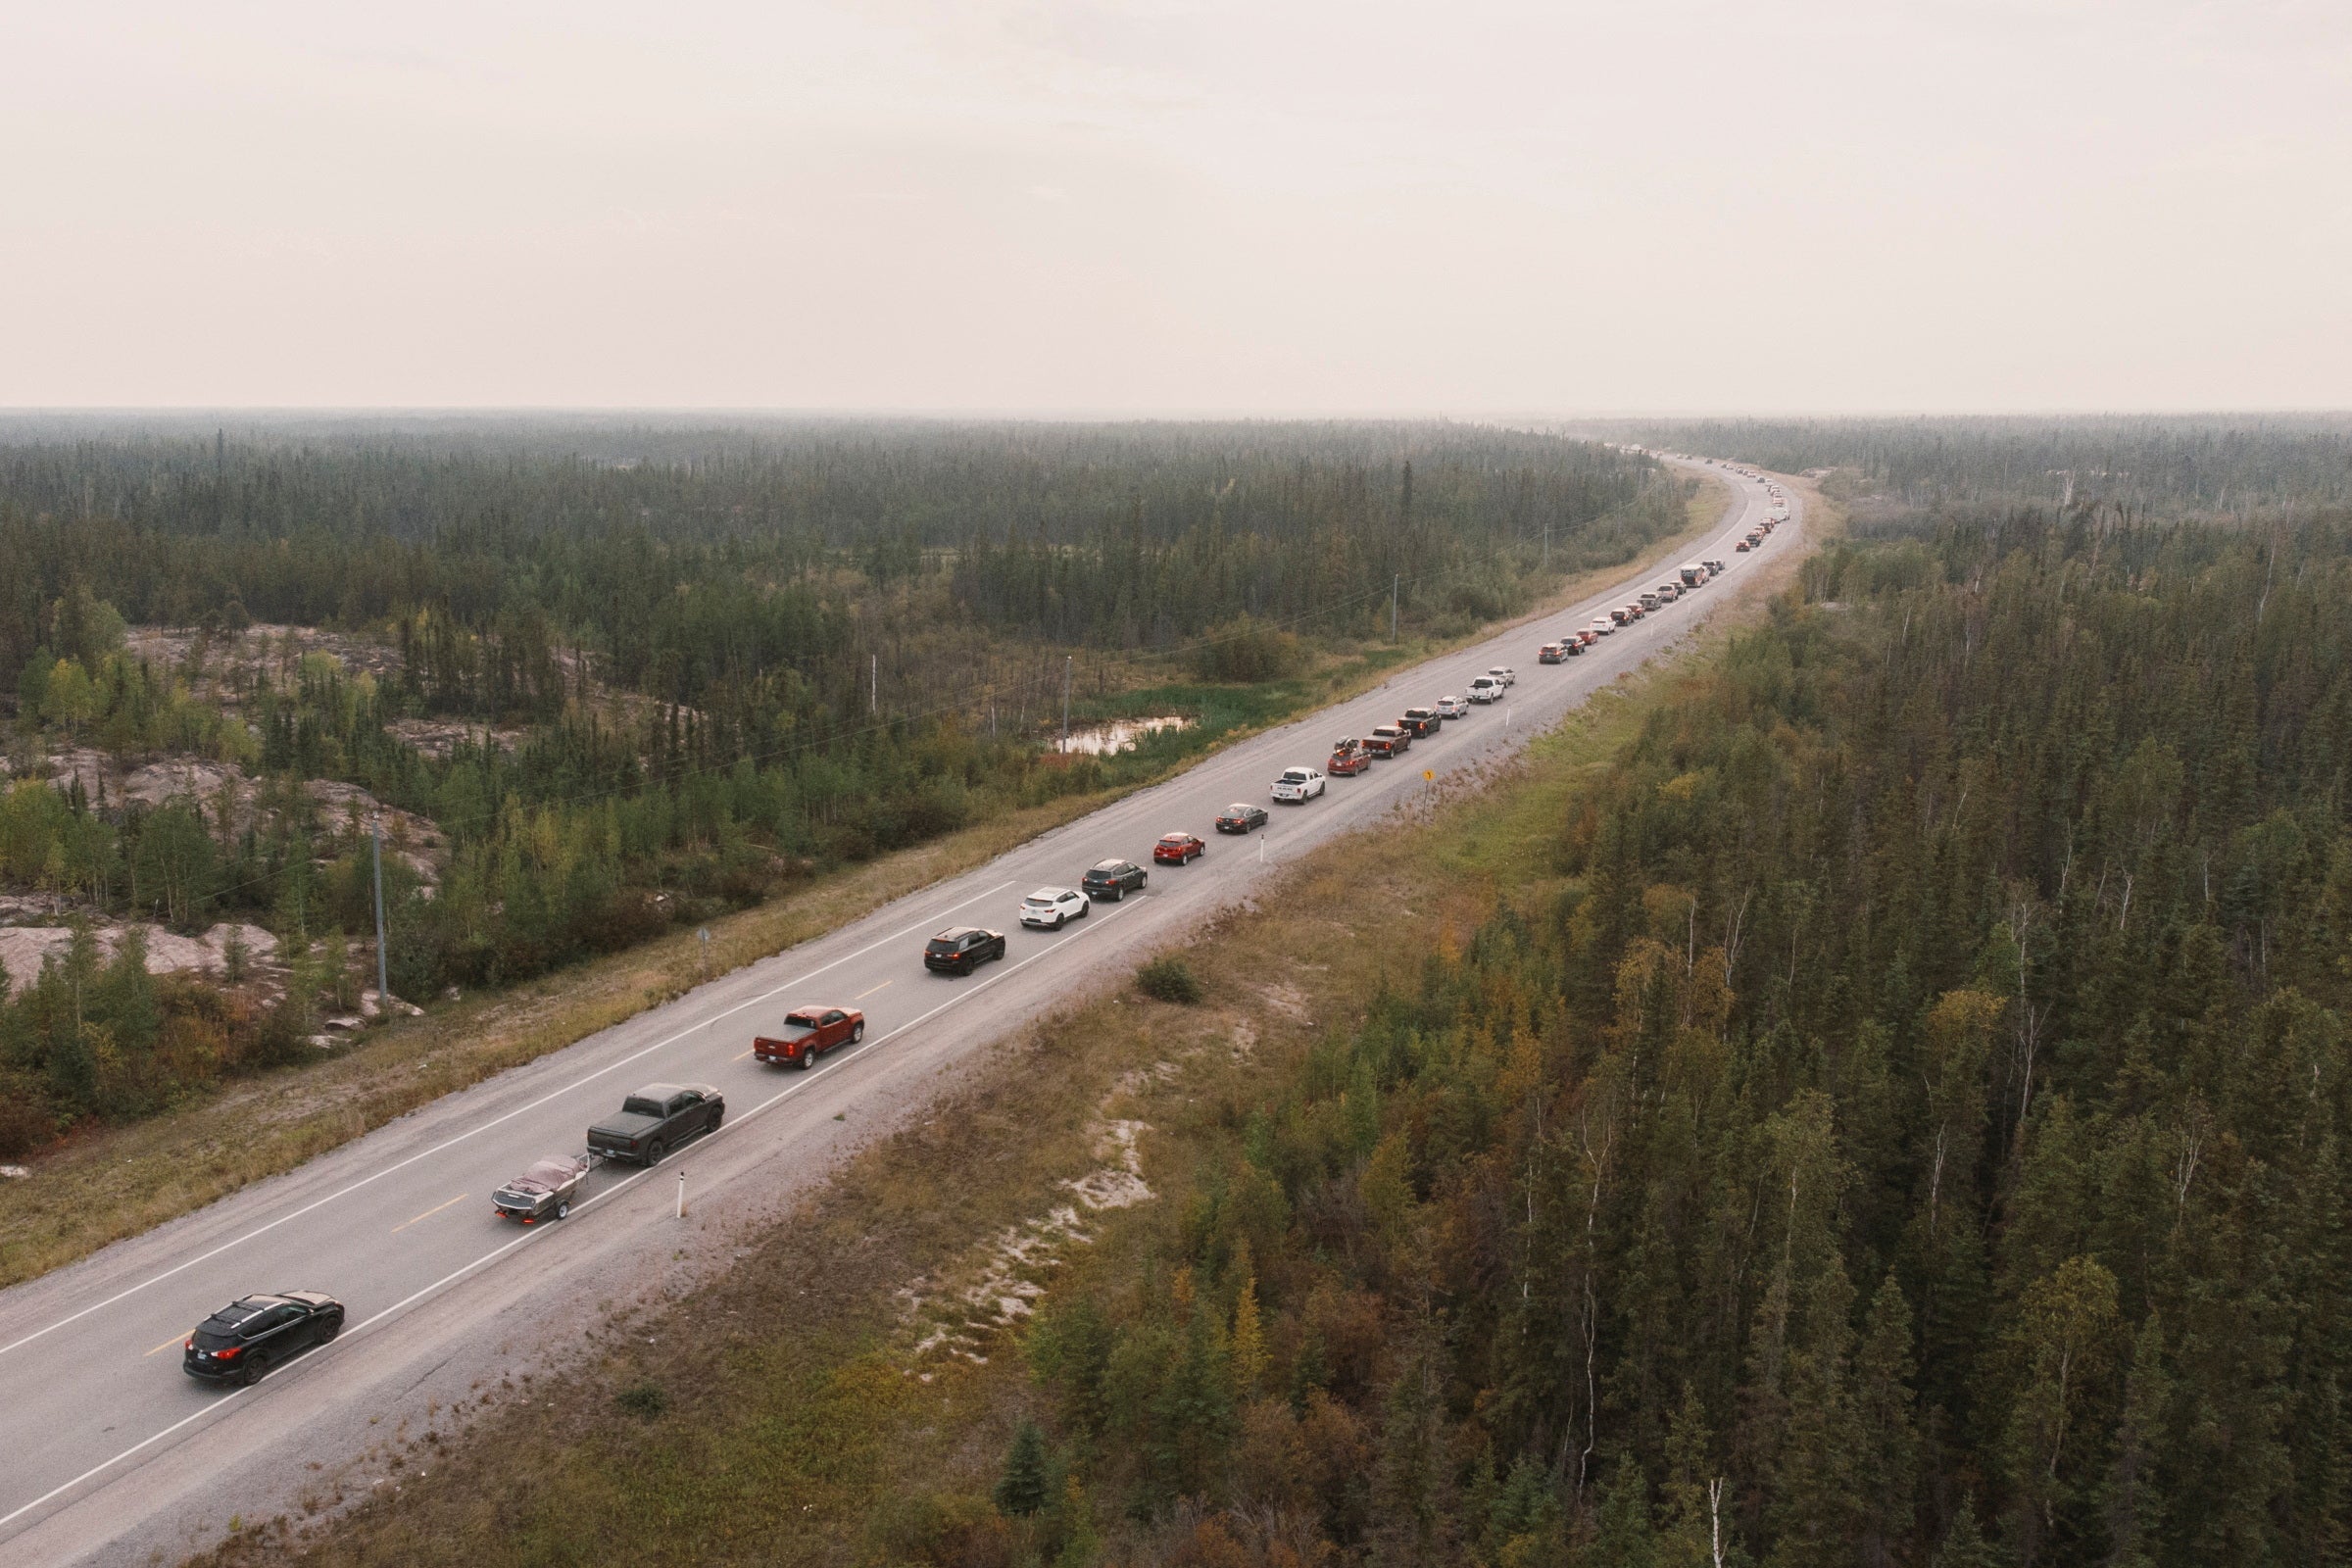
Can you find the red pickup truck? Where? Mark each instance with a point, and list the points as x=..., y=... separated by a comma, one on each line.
x=808, y=1033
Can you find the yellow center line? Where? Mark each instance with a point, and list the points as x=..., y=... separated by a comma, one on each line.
x=862, y=995
x=427, y=1214
x=748, y=1053
x=176, y=1339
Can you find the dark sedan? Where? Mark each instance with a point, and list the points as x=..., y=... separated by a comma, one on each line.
x=960, y=950
x=1240, y=817
x=246, y=1339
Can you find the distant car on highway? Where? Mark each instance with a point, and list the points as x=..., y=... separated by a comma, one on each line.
x=1486, y=689
x=1601, y=626
x=1553, y=654
x=246, y=1339
x=657, y=1119
x=1240, y=817
x=1420, y=722
x=544, y=1192
x=1745, y=546
x=1388, y=741
x=1298, y=784
x=1114, y=879
x=1051, y=908
x=1714, y=567
x=808, y=1033
x=961, y=948
x=1504, y=673
x=1349, y=758
x=1178, y=849
x=1453, y=706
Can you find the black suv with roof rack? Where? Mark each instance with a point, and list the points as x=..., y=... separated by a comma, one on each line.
x=246, y=1339
x=960, y=950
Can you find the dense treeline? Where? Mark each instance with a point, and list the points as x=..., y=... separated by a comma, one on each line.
x=2172, y=466
x=683, y=560
x=1915, y=1134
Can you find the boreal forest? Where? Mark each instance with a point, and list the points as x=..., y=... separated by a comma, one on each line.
x=593, y=680
x=1910, y=1127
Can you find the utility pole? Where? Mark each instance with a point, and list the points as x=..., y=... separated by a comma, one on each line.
x=383, y=988
x=1069, y=662
x=873, y=691
x=1395, y=582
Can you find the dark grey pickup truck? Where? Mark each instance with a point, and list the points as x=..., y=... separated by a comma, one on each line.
x=654, y=1120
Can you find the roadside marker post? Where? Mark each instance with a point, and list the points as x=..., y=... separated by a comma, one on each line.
x=681, y=1195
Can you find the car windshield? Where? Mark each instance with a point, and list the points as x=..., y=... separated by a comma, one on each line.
x=941, y=944
x=799, y=1023
x=1175, y=838
x=1294, y=775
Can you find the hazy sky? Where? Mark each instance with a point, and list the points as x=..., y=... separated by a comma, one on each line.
x=1164, y=206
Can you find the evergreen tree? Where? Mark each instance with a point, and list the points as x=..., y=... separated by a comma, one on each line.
x=1021, y=1489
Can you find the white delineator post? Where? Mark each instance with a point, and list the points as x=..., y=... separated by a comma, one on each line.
x=681, y=1195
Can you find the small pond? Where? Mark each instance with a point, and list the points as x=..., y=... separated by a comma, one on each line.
x=1102, y=740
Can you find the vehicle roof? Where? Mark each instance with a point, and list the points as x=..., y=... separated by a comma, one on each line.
x=1170, y=838
x=1243, y=806
x=955, y=933
x=1113, y=865
x=1049, y=894
x=665, y=1091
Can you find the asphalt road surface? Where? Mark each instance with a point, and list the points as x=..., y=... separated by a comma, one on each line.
x=114, y=1455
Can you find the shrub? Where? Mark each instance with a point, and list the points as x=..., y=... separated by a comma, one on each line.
x=1245, y=652
x=646, y=1399
x=1169, y=979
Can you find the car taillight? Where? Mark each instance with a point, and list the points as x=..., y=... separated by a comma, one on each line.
x=228, y=1354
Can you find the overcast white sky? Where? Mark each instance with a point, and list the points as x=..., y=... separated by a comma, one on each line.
x=1168, y=206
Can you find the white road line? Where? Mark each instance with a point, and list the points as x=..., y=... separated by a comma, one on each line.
x=964, y=994
x=451, y=1143
x=96, y=1469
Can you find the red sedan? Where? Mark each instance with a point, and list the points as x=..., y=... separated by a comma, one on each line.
x=1175, y=848
x=808, y=1033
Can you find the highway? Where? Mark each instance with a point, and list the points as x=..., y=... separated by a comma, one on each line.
x=116, y=1455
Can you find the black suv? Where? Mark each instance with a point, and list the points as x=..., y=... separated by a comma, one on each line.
x=246, y=1339
x=962, y=949
x=1112, y=880
x=1421, y=722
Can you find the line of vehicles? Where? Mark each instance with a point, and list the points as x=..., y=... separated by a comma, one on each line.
x=242, y=1340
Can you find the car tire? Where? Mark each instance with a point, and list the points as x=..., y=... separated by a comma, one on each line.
x=1086, y=909
x=563, y=1211
x=856, y=1031
x=1116, y=893
x=654, y=1152
x=332, y=1327
x=256, y=1369
x=1061, y=921
x=805, y=1060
